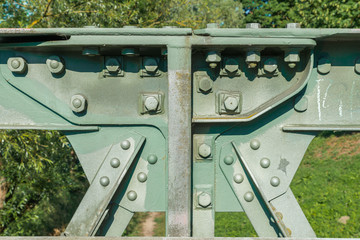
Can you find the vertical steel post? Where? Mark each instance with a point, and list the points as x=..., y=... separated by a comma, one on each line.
x=179, y=151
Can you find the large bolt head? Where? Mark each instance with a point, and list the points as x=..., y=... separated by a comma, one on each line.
x=151, y=65
x=112, y=65
x=205, y=84
x=55, y=65
x=204, y=150
x=270, y=65
x=213, y=57
x=204, y=200
x=151, y=103
x=78, y=103
x=231, y=65
x=17, y=64
x=231, y=103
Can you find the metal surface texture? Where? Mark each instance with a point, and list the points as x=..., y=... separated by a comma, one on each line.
x=185, y=122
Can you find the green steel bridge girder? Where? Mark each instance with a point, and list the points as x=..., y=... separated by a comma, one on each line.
x=184, y=122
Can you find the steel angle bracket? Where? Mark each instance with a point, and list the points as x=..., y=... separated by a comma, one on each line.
x=261, y=214
x=93, y=207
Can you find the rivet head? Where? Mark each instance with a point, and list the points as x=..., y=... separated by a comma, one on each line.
x=112, y=65
x=151, y=103
x=115, y=163
x=228, y=160
x=231, y=103
x=152, y=158
x=231, y=65
x=324, y=65
x=205, y=84
x=104, y=181
x=255, y=144
x=132, y=195
x=238, y=178
x=213, y=57
x=275, y=181
x=249, y=196
x=301, y=103
x=265, y=162
x=270, y=65
x=17, y=64
x=55, y=64
x=204, y=150
x=142, y=177
x=151, y=65
x=204, y=200
x=125, y=144
x=78, y=103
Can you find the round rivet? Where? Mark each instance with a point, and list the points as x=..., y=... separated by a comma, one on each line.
x=54, y=64
x=231, y=103
x=76, y=103
x=238, y=178
x=265, y=162
x=15, y=63
x=142, y=177
x=125, y=144
x=255, y=144
x=249, y=196
x=152, y=158
x=205, y=84
x=228, y=160
x=132, y=195
x=104, y=181
x=275, y=181
x=301, y=103
x=204, y=150
x=115, y=162
x=270, y=65
x=324, y=65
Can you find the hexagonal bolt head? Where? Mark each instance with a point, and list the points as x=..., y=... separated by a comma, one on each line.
x=112, y=65
x=150, y=65
x=204, y=200
x=17, y=64
x=231, y=65
x=253, y=25
x=213, y=58
x=292, y=57
x=130, y=52
x=55, y=64
x=205, y=84
x=151, y=103
x=252, y=57
x=270, y=65
x=231, y=103
x=204, y=150
x=78, y=103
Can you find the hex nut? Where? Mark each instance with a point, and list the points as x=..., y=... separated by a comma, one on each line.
x=17, y=64
x=55, y=64
x=213, y=57
x=151, y=103
x=231, y=65
x=270, y=65
x=150, y=65
x=205, y=84
x=204, y=200
x=78, y=103
x=204, y=150
x=252, y=57
x=229, y=102
x=112, y=65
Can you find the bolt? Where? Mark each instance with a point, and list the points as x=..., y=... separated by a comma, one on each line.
x=104, y=181
x=205, y=84
x=252, y=58
x=293, y=25
x=357, y=66
x=204, y=150
x=125, y=144
x=130, y=52
x=142, y=177
x=213, y=58
x=17, y=64
x=150, y=65
x=270, y=65
x=212, y=25
x=301, y=103
x=132, y=195
x=55, y=64
x=238, y=178
x=204, y=199
x=274, y=181
x=249, y=196
x=255, y=144
x=78, y=103
x=151, y=103
x=112, y=65
x=324, y=65
x=231, y=65
x=115, y=163
x=265, y=162
x=231, y=103
x=152, y=158
x=253, y=25
x=228, y=160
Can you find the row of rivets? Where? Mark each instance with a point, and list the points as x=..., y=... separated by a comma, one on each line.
x=324, y=65
x=265, y=163
x=19, y=65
